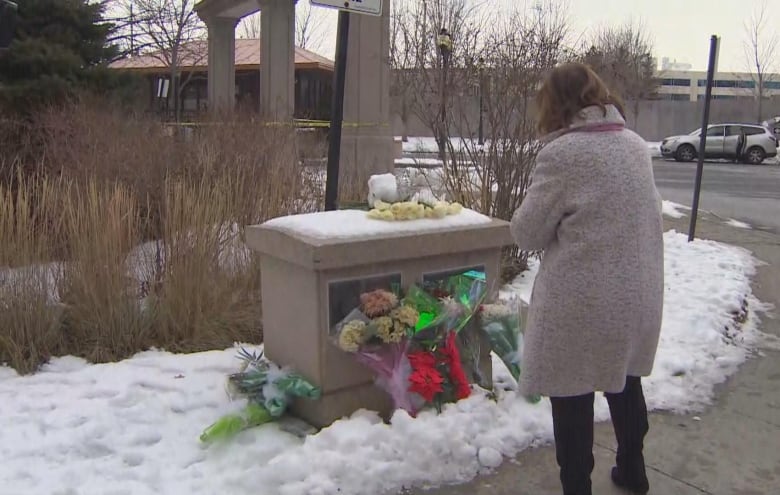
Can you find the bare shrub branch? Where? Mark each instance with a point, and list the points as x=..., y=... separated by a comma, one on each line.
x=623, y=57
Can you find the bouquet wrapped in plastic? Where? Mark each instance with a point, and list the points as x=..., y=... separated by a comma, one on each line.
x=268, y=388
x=459, y=298
x=378, y=333
x=502, y=324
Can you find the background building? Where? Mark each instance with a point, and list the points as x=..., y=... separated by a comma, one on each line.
x=313, y=80
x=686, y=85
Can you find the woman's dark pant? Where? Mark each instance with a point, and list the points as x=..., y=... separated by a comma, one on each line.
x=573, y=427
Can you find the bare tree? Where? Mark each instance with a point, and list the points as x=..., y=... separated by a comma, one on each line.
x=517, y=49
x=171, y=32
x=761, y=52
x=124, y=26
x=249, y=27
x=402, y=67
x=310, y=28
x=623, y=57
x=426, y=82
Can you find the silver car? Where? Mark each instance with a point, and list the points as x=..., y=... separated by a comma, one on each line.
x=722, y=141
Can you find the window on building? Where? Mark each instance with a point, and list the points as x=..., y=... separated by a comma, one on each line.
x=675, y=82
x=727, y=83
x=772, y=85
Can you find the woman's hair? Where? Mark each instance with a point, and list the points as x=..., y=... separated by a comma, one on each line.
x=567, y=90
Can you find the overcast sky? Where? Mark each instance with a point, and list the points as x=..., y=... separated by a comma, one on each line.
x=680, y=29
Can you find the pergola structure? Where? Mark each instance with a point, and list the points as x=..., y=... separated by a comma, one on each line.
x=367, y=142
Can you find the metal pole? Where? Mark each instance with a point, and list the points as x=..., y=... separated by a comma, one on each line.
x=337, y=116
x=703, y=137
x=441, y=107
x=481, y=103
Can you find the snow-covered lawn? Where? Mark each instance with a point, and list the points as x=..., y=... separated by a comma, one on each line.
x=132, y=427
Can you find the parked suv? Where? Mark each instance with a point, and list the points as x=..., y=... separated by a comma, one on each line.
x=721, y=142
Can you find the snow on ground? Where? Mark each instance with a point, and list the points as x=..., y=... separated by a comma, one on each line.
x=654, y=148
x=737, y=224
x=429, y=145
x=419, y=162
x=132, y=427
x=673, y=210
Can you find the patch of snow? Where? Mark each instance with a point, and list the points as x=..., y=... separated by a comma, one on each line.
x=490, y=457
x=349, y=224
x=421, y=145
x=429, y=144
x=418, y=162
x=673, y=209
x=523, y=285
x=739, y=225
x=133, y=426
x=654, y=148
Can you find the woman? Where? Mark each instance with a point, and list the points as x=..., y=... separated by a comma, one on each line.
x=595, y=313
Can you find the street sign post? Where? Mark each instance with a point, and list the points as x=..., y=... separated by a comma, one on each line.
x=347, y=8
x=711, y=67
x=370, y=7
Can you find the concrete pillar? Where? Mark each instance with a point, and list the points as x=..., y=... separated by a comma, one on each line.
x=222, y=63
x=367, y=140
x=277, y=59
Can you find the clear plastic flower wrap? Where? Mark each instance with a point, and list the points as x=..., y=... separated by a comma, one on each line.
x=502, y=323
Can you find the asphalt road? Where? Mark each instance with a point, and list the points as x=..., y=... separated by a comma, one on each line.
x=746, y=193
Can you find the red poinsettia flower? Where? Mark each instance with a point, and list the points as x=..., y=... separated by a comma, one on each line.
x=422, y=359
x=427, y=382
x=457, y=375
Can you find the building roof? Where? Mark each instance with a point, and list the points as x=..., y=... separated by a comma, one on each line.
x=195, y=57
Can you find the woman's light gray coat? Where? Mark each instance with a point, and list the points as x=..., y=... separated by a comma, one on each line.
x=595, y=313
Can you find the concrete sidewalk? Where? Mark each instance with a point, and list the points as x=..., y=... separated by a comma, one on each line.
x=731, y=449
